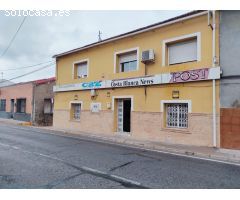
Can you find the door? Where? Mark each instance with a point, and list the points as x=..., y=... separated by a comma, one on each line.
x=12, y=107
x=123, y=115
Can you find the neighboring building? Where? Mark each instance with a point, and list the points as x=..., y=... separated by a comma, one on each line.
x=157, y=83
x=30, y=101
x=230, y=79
x=4, y=82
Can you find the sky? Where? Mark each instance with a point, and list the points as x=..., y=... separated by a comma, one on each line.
x=42, y=37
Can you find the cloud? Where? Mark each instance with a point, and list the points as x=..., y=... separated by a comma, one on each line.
x=42, y=37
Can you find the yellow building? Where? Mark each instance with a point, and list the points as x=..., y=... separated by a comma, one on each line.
x=157, y=83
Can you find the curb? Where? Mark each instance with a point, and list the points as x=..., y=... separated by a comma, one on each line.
x=226, y=158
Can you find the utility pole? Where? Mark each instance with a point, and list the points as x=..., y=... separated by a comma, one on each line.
x=99, y=36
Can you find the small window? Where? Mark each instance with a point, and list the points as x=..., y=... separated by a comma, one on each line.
x=21, y=105
x=48, y=106
x=127, y=61
x=176, y=115
x=81, y=70
x=76, y=110
x=181, y=52
x=3, y=105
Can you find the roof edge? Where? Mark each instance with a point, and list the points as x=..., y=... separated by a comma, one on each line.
x=176, y=19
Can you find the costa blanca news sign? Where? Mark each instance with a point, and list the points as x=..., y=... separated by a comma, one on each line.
x=166, y=78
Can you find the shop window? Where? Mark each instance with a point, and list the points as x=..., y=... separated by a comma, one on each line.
x=21, y=105
x=76, y=111
x=3, y=105
x=80, y=69
x=181, y=49
x=126, y=61
x=176, y=115
x=48, y=106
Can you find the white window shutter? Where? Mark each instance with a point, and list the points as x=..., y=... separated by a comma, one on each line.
x=128, y=57
x=182, y=52
x=82, y=69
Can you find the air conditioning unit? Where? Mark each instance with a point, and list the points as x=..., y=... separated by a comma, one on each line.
x=148, y=56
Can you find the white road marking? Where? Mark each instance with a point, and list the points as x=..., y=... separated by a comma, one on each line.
x=83, y=168
x=104, y=141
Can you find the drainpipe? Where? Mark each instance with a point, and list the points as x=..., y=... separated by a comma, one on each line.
x=214, y=134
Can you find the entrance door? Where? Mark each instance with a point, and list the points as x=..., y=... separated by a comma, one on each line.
x=124, y=115
x=12, y=107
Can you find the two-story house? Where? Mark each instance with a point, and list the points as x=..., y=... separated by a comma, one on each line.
x=157, y=83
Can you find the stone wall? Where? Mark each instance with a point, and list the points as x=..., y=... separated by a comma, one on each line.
x=144, y=126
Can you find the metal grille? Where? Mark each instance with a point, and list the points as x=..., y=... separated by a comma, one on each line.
x=120, y=115
x=177, y=115
x=76, y=110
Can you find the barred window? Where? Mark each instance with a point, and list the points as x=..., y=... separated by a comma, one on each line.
x=177, y=115
x=76, y=109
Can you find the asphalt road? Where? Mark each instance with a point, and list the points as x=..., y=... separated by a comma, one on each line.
x=33, y=158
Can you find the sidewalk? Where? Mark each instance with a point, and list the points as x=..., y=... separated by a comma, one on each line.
x=217, y=154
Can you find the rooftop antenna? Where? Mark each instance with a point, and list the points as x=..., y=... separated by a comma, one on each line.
x=99, y=36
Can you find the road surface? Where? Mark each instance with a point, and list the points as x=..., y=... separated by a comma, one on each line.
x=36, y=158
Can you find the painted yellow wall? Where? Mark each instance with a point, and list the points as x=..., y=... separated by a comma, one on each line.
x=101, y=66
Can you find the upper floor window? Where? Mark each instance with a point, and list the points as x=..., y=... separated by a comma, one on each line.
x=80, y=69
x=181, y=52
x=3, y=105
x=182, y=49
x=126, y=61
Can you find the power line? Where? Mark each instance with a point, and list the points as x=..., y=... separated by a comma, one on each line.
x=24, y=67
x=20, y=76
x=13, y=38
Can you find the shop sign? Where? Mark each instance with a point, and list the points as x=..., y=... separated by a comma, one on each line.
x=174, y=77
x=92, y=85
x=134, y=82
x=191, y=75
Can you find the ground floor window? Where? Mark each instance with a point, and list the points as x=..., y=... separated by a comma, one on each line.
x=176, y=115
x=3, y=105
x=21, y=105
x=76, y=110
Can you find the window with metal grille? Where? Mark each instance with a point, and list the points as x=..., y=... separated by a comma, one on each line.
x=177, y=115
x=3, y=105
x=76, y=108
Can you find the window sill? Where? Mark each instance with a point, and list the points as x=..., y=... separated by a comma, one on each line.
x=127, y=134
x=177, y=130
x=126, y=72
x=74, y=120
x=175, y=64
x=80, y=78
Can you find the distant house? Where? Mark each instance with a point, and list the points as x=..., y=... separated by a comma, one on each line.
x=4, y=82
x=29, y=101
